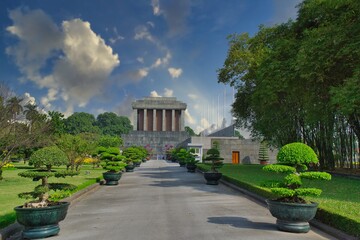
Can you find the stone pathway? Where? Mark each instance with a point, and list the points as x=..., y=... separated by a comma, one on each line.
x=161, y=201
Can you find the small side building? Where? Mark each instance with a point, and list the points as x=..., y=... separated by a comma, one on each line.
x=232, y=149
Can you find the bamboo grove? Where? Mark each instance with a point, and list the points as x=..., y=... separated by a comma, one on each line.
x=300, y=81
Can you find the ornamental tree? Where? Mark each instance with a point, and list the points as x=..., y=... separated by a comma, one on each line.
x=294, y=159
x=111, y=159
x=213, y=155
x=44, y=160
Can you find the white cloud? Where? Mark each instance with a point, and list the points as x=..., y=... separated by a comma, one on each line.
x=157, y=63
x=154, y=94
x=79, y=72
x=116, y=37
x=39, y=38
x=140, y=59
x=156, y=7
x=192, y=96
x=51, y=96
x=28, y=99
x=175, y=72
x=168, y=92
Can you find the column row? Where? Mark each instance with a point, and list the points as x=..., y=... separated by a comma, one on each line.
x=159, y=120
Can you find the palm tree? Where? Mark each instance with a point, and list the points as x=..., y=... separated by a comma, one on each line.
x=14, y=106
x=31, y=114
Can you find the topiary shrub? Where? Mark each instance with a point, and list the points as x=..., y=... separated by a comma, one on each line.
x=111, y=159
x=263, y=153
x=44, y=159
x=293, y=159
x=213, y=155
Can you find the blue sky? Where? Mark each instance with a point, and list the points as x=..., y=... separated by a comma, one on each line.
x=98, y=56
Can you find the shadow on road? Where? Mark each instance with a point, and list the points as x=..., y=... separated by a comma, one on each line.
x=240, y=222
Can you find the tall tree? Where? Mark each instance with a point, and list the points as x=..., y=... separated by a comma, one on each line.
x=80, y=122
x=190, y=131
x=299, y=81
x=57, y=122
x=112, y=124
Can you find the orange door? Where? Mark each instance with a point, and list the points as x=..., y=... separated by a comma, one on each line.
x=235, y=157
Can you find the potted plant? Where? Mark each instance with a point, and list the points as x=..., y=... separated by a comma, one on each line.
x=113, y=162
x=191, y=160
x=131, y=158
x=263, y=153
x=291, y=210
x=41, y=217
x=213, y=176
x=181, y=156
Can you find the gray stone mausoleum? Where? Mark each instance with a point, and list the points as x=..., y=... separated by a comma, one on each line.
x=159, y=123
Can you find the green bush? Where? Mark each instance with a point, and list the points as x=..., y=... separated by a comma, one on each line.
x=213, y=155
x=111, y=159
x=292, y=159
x=44, y=159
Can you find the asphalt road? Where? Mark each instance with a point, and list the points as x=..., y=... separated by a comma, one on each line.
x=161, y=201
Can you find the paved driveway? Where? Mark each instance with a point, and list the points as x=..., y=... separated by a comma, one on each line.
x=161, y=201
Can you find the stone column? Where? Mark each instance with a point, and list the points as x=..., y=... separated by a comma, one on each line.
x=135, y=118
x=163, y=121
x=154, y=120
x=173, y=120
x=182, y=120
x=145, y=120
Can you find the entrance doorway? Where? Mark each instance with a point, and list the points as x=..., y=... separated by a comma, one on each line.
x=235, y=157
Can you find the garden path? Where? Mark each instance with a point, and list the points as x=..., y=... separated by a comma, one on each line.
x=161, y=201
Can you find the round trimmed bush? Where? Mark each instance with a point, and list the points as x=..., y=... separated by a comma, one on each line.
x=296, y=154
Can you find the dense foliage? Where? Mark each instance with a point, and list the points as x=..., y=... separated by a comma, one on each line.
x=213, y=155
x=293, y=160
x=111, y=158
x=44, y=160
x=300, y=80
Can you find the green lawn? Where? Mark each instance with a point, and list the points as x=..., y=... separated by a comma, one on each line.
x=12, y=184
x=339, y=204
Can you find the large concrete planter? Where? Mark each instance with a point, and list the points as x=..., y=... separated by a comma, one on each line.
x=212, y=178
x=292, y=217
x=130, y=168
x=191, y=167
x=112, y=178
x=41, y=222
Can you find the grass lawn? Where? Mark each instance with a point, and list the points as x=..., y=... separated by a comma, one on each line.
x=12, y=184
x=339, y=204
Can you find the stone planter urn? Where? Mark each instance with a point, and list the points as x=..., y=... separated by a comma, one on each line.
x=292, y=217
x=41, y=222
x=112, y=178
x=212, y=178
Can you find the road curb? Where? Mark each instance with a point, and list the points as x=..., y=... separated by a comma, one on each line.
x=13, y=231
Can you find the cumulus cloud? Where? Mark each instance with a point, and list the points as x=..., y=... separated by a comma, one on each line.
x=168, y=92
x=154, y=94
x=82, y=62
x=156, y=7
x=175, y=72
x=51, y=96
x=28, y=99
x=39, y=38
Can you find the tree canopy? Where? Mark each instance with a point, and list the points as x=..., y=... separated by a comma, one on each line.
x=299, y=81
